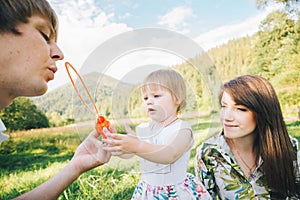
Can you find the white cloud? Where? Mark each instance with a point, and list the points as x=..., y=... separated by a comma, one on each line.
x=82, y=28
x=223, y=34
x=81, y=11
x=176, y=18
x=129, y=62
x=125, y=16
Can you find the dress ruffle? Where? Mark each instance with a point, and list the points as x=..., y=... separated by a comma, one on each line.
x=189, y=189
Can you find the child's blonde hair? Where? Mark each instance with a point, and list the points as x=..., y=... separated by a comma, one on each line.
x=170, y=80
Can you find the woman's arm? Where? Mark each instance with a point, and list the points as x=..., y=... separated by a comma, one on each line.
x=88, y=155
x=164, y=154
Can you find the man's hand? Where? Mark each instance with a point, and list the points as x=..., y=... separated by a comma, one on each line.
x=90, y=153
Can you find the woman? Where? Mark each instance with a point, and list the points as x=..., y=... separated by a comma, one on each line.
x=253, y=156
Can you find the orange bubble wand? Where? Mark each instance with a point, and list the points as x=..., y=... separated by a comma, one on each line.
x=101, y=122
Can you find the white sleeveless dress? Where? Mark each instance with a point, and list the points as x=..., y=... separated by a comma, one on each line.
x=166, y=181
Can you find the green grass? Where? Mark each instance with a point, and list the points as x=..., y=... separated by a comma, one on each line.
x=30, y=158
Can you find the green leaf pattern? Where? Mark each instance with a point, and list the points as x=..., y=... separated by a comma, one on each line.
x=218, y=170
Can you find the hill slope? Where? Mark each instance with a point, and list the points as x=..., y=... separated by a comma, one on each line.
x=64, y=100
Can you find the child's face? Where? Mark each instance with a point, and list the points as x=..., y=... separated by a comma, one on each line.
x=159, y=103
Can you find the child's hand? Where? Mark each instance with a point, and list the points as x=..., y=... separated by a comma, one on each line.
x=129, y=130
x=119, y=144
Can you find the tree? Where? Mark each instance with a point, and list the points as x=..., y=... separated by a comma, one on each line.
x=276, y=43
x=262, y=3
x=276, y=53
x=23, y=114
x=290, y=7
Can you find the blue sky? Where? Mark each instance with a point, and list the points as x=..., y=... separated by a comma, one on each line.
x=194, y=16
x=86, y=24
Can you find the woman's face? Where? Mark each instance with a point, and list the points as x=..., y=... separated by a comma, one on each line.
x=237, y=120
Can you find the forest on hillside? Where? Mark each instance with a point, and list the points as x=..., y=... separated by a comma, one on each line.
x=273, y=52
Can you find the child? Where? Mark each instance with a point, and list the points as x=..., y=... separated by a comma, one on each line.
x=163, y=144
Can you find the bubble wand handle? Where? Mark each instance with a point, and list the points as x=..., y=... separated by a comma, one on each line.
x=67, y=65
x=101, y=122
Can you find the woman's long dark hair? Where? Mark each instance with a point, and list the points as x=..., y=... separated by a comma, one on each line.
x=273, y=142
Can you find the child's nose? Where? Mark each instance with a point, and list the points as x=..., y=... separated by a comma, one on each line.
x=149, y=101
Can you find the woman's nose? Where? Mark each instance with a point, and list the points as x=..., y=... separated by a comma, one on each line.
x=227, y=114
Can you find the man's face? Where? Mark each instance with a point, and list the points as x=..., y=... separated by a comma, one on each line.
x=27, y=61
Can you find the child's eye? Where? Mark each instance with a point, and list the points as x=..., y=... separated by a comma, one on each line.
x=156, y=96
x=145, y=98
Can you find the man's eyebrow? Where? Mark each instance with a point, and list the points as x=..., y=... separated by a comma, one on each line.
x=45, y=25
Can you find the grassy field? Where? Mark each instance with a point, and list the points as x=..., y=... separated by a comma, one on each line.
x=29, y=158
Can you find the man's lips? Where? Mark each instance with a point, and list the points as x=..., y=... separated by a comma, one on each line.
x=52, y=69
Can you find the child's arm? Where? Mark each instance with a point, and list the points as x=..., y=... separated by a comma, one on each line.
x=164, y=154
x=126, y=155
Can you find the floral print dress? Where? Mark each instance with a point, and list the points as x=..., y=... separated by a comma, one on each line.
x=218, y=170
x=2, y=135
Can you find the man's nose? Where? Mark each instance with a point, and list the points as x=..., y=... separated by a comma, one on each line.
x=55, y=52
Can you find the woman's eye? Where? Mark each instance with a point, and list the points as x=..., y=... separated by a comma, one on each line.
x=242, y=109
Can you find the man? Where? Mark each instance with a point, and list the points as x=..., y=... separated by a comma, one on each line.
x=28, y=35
